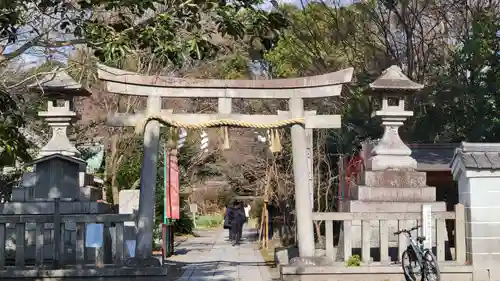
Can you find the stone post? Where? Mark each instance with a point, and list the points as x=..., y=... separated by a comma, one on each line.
x=145, y=216
x=303, y=208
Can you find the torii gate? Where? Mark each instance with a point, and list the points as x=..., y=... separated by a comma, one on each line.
x=294, y=90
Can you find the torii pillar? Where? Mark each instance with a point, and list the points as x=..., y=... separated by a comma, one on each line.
x=294, y=90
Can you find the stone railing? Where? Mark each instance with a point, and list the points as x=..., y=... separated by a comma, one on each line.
x=49, y=235
x=385, y=234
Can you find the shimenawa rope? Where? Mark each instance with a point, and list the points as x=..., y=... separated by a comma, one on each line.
x=141, y=125
x=275, y=144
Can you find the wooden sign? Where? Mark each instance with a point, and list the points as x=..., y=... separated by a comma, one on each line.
x=193, y=208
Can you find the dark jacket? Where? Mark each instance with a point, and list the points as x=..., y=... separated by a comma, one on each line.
x=234, y=217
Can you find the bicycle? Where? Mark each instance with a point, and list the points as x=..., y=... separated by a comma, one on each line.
x=417, y=260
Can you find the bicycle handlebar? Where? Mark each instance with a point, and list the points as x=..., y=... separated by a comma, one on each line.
x=406, y=230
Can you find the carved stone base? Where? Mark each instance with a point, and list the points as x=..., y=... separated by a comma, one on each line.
x=393, y=179
x=381, y=194
x=391, y=162
x=141, y=263
x=308, y=261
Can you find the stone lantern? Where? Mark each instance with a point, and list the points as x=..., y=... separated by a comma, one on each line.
x=391, y=153
x=60, y=89
x=390, y=183
x=58, y=174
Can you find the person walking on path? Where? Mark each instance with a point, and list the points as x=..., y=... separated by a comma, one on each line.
x=235, y=219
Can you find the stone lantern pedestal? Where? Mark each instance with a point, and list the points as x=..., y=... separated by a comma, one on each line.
x=390, y=181
x=59, y=118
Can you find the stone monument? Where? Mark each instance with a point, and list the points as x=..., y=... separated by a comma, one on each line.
x=57, y=171
x=390, y=182
x=129, y=204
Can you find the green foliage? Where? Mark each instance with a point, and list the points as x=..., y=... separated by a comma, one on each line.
x=465, y=97
x=13, y=144
x=461, y=97
x=209, y=221
x=174, y=32
x=184, y=225
x=236, y=67
x=353, y=261
x=7, y=182
x=130, y=168
x=318, y=40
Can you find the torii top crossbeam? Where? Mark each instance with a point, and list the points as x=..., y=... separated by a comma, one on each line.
x=129, y=83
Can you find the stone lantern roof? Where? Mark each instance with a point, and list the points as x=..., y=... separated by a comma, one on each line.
x=60, y=88
x=393, y=78
x=59, y=82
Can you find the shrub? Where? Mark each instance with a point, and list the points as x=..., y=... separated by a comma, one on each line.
x=184, y=225
x=354, y=260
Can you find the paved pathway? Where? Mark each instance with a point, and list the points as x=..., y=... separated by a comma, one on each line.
x=212, y=257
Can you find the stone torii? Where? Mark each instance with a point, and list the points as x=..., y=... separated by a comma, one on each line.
x=157, y=87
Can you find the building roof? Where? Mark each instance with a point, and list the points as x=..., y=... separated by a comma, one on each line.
x=479, y=155
x=433, y=157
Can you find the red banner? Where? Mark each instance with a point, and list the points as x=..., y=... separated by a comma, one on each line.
x=172, y=198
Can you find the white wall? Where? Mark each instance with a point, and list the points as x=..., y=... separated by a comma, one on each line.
x=481, y=198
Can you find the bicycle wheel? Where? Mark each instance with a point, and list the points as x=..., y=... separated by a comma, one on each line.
x=411, y=266
x=431, y=268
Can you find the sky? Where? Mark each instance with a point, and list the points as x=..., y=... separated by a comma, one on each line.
x=267, y=5
x=35, y=55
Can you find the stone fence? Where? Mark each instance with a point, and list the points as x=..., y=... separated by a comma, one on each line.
x=380, y=250
x=403, y=221
x=69, y=246
x=32, y=233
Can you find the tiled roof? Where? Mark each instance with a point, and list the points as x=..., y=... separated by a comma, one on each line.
x=479, y=155
x=433, y=157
